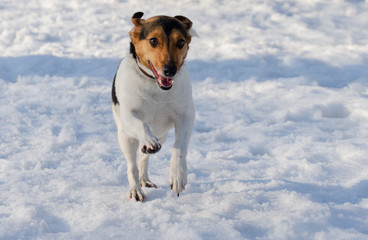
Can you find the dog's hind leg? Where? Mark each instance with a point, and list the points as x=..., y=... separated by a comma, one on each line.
x=129, y=147
x=143, y=167
x=143, y=171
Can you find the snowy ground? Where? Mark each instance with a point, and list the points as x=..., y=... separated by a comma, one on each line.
x=280, y=146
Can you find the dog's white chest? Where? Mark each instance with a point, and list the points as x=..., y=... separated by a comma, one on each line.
x=152, y=105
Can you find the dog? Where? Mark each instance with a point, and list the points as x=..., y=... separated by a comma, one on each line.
x=151, y=94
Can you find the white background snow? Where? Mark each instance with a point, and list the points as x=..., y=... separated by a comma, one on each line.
x=280, y=145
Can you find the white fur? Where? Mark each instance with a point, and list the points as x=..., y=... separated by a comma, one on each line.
x=193, y=33
x=144, y=116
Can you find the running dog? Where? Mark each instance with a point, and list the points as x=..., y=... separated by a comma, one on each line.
x=151, y=94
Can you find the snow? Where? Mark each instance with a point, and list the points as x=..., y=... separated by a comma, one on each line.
x=280, y=145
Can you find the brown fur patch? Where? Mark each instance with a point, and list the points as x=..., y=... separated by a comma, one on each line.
x=168, y=31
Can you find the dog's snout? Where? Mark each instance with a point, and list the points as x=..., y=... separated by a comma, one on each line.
x=169, y=70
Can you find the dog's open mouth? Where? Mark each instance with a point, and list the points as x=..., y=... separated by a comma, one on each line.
x=163, y=83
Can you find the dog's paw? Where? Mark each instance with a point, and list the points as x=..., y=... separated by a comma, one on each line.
x=151, y=145
x=147, y=183
x=177, y=180
x=136, y=193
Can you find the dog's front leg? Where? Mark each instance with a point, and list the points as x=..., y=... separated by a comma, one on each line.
x=148, y=142
x=178, y=162
x=134, y=125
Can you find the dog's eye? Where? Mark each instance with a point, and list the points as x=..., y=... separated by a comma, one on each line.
x=153, y=42
x=180, y=43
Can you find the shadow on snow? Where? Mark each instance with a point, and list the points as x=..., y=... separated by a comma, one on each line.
x=261, y=68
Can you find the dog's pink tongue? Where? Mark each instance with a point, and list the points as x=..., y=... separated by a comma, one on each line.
x=165, y=82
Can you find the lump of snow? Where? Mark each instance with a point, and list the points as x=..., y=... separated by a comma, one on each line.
x=335, y=110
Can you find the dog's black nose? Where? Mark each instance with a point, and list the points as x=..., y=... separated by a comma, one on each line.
x=169, y=70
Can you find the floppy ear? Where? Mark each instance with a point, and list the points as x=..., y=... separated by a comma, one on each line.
x=137, y=21
x=187, y=23
x=136, y=18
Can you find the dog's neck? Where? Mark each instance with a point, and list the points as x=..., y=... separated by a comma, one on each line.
x=142, y=68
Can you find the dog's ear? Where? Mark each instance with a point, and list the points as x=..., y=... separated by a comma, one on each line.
x=136, y=18
x=137, y=21
x=187, y=23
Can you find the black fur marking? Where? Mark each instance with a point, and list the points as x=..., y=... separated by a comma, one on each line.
x=132, y=50
x=138, y=15
x=167, y=24
x=113, y=93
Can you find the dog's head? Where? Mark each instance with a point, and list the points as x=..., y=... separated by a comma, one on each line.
x=161, y=44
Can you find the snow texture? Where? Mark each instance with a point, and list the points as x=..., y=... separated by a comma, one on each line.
x=280, y=145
